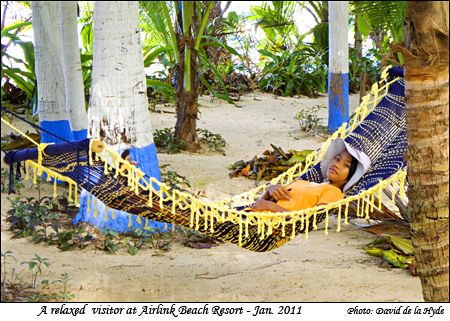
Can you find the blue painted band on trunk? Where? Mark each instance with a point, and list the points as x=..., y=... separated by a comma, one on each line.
x=79, y=134
x=148, y=162
x=60, y=128
x=338, y=106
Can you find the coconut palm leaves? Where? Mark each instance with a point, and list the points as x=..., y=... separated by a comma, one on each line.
x=276, y=19
x=381, y=15
x=159, y=29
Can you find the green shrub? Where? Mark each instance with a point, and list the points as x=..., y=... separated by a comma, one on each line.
x=29, y=216
x=15, y=289
x=298, y=72
x=166, y=141
x=310, y=122
x=215, y=142
x=173, y=179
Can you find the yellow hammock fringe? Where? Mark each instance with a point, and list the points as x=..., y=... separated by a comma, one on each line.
x=264, y=221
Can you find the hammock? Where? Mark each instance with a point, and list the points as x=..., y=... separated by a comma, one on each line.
x=377, y=128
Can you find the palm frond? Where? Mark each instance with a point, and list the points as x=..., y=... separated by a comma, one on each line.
x=383, y=15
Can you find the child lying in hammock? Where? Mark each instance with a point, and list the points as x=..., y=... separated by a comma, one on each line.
x=342, y=165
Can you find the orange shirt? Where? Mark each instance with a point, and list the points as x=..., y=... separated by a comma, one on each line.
x=306, y=195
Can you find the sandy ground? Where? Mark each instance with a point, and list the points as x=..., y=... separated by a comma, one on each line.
x=322, y=268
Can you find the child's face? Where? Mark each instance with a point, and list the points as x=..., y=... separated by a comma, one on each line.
x=339, y=168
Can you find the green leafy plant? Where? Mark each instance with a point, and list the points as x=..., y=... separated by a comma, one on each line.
x=158, y=240
x=5, y=257
x=135, y=242
x=233, y=29
x=65, y=280
x=45, y=220
x=160, y=90
x=109, y=242
x=215, y=142
x=172, y=178
x=310, y=122
x=22, y=74
x=48, y=295
x=32, y=217
x=298, y=72
x=388, y=16
x=12, y=284
x=166, y=141
x=130, y=242
x=139, y=238
x=276, y=19
x=74, y=238
x=35, y=266
x=15, y=289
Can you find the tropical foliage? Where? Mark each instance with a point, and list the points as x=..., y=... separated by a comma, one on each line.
x=18, y=74
x=226, y=51
x=297, y=72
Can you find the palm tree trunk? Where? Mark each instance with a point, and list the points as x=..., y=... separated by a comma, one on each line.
x=338, y=111
x=426, y=76
x=53, y=115
x=71, y=64
x=118, y=108
x=187, y=107
x=187, y=82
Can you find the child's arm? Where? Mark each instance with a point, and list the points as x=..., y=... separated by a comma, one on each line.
x=276, y=192
x=264, y=205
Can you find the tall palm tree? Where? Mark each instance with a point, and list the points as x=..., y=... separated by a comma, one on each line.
x=118, y=109
x=193, y=18
x=185, y=25
x=58, y=70
x=338, y=111
x=426, y=76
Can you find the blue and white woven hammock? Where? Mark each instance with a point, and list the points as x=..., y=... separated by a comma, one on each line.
x=380, y=133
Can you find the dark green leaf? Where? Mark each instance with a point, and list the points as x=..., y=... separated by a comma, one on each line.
x=363, y=25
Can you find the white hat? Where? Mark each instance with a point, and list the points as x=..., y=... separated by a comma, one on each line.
x=337, y=146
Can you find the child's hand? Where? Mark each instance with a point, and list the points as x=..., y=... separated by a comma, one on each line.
x=279, y=192
x=262, y=205
x=129, y=160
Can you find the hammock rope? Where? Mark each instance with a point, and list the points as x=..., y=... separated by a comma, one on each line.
x=121, y=186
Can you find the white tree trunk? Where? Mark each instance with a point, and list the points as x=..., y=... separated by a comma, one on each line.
x=118, y=108
x=338, y=111
x=71, y=63
x=338, y=39
x=47, y=47
x=58, y=69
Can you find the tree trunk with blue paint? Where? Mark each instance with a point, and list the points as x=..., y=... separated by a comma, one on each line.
x=118, y=107
x=338, y=106
x=58, y=71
